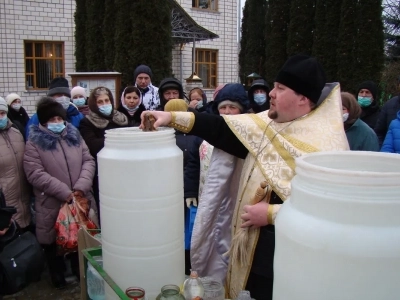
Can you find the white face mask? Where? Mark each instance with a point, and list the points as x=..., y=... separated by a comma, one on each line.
x=64, y=101
x=345, y=117
x=16, y=106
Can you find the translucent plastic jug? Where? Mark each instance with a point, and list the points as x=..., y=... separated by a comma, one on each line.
x=141, y=206
x=338, y=236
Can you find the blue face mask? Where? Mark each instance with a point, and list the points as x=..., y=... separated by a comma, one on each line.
x=79, y=101
x=364, y=101
x=260, y=99
x=3, y=122
x=56, y=127
x=106, y=109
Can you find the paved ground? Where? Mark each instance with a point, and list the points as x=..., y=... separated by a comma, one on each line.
x=43, y=290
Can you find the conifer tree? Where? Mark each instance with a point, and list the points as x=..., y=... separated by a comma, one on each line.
x=301, y=25
x=252, y=53
x=80, y=35
x=345, y=49
x=369, y=41
x=277, y=20
x=124, y=40
x=94, y=35
x=326, y=32
x=143, y=36
x=109, y=34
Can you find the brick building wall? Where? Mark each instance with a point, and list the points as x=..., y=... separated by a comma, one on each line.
x=53, y=20
x=36, y=20
x=222, y=22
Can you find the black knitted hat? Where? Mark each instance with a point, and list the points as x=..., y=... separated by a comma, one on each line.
x=370, y=86
x=304, y=75
x=142, y=69
x=59, y=85
x=47, y=108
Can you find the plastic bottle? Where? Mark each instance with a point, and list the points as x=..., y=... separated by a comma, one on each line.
x=193, y=287
x=95, y=283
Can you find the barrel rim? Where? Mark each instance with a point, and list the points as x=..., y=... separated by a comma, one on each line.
x=305, y=162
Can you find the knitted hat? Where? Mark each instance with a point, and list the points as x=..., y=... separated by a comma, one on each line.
x=11, y=97
x=229, y=102
x=370, y=86
x=78, y=90
x=59, y=85
x=304, y=75
x=233, y=92
x=47, y=108
x=142, y=69
x=3, y=105
x=176, y=105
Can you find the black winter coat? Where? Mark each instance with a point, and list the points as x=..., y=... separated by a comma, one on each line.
x=370, y=114
x=184, y=142
x=133, y=121
x=192, y=171
x=388, y=114
x=19, y=118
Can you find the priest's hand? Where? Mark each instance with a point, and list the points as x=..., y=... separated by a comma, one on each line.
x=255, y=216
x=163, y=118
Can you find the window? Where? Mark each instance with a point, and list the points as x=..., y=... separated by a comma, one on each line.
x=43, y=62
x=206, y=67
x=205, y=4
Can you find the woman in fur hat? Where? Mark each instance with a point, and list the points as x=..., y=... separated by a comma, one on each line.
x=102, y=116
x=59, y=166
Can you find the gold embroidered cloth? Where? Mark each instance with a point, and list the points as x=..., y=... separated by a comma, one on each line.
x=274, y=160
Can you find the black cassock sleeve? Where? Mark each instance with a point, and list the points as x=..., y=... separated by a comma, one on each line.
x=214, y=130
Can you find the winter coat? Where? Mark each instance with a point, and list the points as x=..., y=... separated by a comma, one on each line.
x=258, y=84
x=184, y=141
x=388, y=114
x=192, y=171
x=55, y=165
x=74, y=117
x=361, y=137
x=93, y=128
x=392, y=140
x=19, y=118
x=133, y=121
x=15, y=187
x=162, y=88
x=150, y=97
x=370, y=114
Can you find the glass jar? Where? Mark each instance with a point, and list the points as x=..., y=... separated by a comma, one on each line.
x=213, y=289
x=136, y=293
x=170, y=292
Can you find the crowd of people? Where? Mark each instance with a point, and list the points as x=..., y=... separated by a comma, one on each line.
x=51, y=157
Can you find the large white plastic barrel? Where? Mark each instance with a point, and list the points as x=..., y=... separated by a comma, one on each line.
x=141, y=205
x=338, y=236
